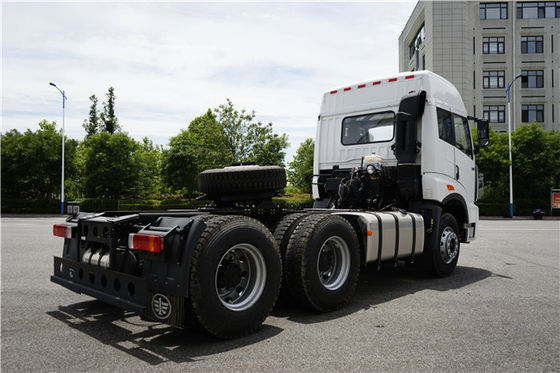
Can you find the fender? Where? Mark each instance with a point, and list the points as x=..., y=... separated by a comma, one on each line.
x=458, y=208
x=459, y=198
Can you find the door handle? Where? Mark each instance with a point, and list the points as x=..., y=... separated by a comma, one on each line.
x=456, y=172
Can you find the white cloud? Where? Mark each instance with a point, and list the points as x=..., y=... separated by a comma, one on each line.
x=170, y=62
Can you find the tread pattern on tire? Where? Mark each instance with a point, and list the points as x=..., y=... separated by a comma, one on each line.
x=297, y=285
x=213, y=224
x=190, y=315
x=282, y=232
x=232, y=180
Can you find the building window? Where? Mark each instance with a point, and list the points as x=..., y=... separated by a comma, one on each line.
x=494, y=113
x=532, y=113
x=493, y=10
x=493, y=79
x=493, y=45
x=532, y=79
x=417, y=42
x=541, y=9
x=532, y=44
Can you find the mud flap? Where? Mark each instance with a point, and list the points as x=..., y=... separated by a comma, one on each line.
x=165, y=308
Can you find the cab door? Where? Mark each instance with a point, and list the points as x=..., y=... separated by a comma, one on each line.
x=465, y=172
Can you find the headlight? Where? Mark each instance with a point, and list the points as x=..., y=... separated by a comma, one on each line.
x=370, y=169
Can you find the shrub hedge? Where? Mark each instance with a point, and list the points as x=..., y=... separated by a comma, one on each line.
x=522, y=207
x=36, y=206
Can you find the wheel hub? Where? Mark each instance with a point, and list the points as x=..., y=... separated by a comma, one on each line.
x=240, y=277
x=333, y=263
x=326, y=260
x=448, y=245
x=229, y=275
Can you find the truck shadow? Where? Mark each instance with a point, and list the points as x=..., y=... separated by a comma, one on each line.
x=150, y=342
x=156, y=343
x=377, y=287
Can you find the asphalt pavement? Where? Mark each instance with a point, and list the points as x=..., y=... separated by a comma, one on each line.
x=499, y=311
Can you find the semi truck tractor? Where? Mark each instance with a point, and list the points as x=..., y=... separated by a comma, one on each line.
x=394, y=181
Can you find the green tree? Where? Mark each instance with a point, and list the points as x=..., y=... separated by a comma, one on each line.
x=217, y=139
x=536, y=166
x=108, y=117
x=235, y=126
x=493, y=163
x=31, y=163
x=266, y=147
x=300, y=172
x=248, y=141
x=110, y=166
x=147, y=158
x=91, y=125
x=202, y=146
x=536, y=161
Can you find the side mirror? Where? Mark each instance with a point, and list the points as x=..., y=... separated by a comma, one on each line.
x=483, y=132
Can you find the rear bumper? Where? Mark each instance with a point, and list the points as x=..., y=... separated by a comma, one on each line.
x=116, y=288
x=119, y=289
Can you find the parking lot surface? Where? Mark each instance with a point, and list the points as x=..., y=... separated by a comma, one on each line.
x=499, y=311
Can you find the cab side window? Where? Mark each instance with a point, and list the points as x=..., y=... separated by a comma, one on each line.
x=454, y=129
x=462, y=138
x=445, y=126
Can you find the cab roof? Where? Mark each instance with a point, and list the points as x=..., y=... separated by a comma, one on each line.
x=386, y=92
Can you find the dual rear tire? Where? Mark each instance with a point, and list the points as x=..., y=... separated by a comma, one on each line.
x=321, y=261
x=236, y=269
x=235, y=277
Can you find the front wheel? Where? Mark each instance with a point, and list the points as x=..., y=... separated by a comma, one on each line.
x=445, y=254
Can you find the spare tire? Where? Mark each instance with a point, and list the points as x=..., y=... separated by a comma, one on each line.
x=241, y=180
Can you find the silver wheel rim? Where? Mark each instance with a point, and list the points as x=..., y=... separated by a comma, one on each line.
x=448, y=245
x=240, y=277
x=333, y=263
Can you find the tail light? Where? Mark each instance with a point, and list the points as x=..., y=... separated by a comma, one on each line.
x=144, y=242
x=61, y=230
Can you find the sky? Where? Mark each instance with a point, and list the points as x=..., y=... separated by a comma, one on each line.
x=171, y=62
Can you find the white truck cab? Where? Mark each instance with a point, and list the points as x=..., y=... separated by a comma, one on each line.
x=428, y=154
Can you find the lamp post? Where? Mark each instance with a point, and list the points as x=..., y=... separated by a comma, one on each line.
x=509, y=147
x=62, y=178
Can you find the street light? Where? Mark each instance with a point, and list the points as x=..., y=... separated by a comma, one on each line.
x=62, y=179
x=509, y=146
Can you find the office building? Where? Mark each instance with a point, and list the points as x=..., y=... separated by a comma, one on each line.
x=481, y=46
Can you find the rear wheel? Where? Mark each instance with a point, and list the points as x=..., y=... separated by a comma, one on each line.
x=282, y=233
x=235, y=276
x=322, y=262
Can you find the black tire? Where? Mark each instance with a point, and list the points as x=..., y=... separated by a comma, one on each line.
x=443, y=254
x=309, y=260
x=235, y=276
x=241, y=180
x=282, y=232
